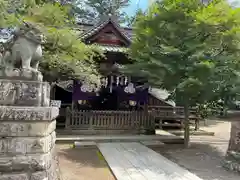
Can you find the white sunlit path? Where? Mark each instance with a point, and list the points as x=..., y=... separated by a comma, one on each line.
x=134, y=161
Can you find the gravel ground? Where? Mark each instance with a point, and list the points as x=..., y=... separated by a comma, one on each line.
x=203, y=158
x=206, y=153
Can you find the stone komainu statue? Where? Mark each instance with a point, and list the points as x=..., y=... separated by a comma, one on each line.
x=24, y=50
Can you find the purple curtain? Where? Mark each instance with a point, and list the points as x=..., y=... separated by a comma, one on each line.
x=78, y=94
x=141, y=95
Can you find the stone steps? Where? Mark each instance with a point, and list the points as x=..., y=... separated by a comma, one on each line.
x=167, y=139
x=82, y=144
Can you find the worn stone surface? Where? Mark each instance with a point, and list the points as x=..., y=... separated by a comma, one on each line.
x=26, y=113
x=34, y=162
x=22, y=176
x=42, y=175
x=23, y=51
x=49, y=174
x=27, y=93
x=27, y=123
x=39, y=128
x=20, y=74
x=27, y=145
x=27, y=130
x=232, y=161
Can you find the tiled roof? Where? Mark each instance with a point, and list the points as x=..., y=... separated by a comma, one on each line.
x=90, y=30
x=112, y=48
x=66, y=85
x=161, y=95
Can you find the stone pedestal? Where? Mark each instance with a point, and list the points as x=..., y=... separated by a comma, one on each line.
x=27, y=131
x=232, y=159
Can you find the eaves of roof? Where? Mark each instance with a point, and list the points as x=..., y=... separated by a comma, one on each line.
x=96, y=28
x=112, y=48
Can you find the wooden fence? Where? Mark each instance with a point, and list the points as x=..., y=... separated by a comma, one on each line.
x=175, y=115
x=109, y=120
x=171, y=112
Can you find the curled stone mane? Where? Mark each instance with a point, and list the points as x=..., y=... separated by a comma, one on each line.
x=30, y=32
x=22, y=53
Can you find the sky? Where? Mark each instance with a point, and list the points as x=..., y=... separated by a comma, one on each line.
x=135, y=4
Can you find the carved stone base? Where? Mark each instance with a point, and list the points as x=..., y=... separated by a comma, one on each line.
x=20, y=74
x=24, y=93
x=232, y=162
x=27, y=114
x=48, y=174
x=27, y=127
x=27, y=143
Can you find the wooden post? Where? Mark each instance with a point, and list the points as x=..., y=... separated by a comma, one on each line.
x=160, y=123
x=72, y=107
x=111, y=81
x=186, y=126
x=91, y=116
x=53, y=91
x=197, y=124
x=67, y=122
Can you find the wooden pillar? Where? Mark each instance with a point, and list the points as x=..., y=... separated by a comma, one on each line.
x=186, y=126
x=111, y=81
x=53, y=91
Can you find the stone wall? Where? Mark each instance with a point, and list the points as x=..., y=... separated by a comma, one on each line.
x=27, y=131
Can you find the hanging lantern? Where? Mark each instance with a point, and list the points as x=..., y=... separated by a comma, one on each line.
x=81, y=102
x=117, y=81
x=130, y=89
x=132, y=103
x=125, y=80
x=103, y=81
x=111, y=81
x=86, y=88
x=121, y=81
x=106, y=82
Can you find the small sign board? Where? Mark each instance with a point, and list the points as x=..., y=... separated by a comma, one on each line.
x=55, y=103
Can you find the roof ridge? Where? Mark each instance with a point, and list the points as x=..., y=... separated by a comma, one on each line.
x=103, y=23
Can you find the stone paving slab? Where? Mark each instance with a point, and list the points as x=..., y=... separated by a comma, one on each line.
x=134, y=161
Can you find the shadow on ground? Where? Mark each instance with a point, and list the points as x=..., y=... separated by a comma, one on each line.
x=82, y=163
x=201, y=159
x=88, y=156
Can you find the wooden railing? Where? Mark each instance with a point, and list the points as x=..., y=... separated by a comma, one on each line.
x=108, y=120
x=173, y=114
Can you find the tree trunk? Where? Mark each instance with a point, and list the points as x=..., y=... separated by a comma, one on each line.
x=186, y=126
x=232, y=160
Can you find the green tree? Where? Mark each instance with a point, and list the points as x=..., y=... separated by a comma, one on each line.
x=188, y=48
x=65, y=56
x=129, y=20
x=92, y=10
x=6, y=19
